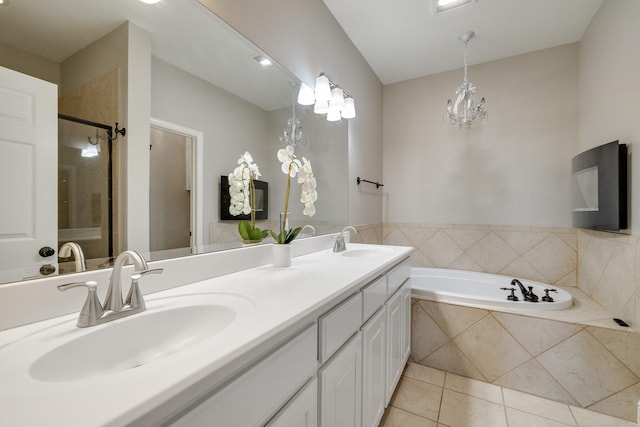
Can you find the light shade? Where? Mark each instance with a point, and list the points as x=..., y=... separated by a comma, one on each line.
x=321, y=107
x=323, y=89
x=90, y=151
x=334, y=114
x=337, y=98
x=349, y=109
x=305, y=95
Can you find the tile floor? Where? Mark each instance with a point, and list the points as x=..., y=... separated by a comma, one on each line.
x=427, y=397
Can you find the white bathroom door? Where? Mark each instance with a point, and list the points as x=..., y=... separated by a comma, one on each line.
x=28, y=175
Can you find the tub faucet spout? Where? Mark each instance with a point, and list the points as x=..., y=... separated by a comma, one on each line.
x=527, y=295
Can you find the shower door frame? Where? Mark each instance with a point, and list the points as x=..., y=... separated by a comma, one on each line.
x=110, y=138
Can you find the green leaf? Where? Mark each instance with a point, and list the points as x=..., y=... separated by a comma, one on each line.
x=275, y=237
x=249, y=233
x=292, y=234
x=244, y=228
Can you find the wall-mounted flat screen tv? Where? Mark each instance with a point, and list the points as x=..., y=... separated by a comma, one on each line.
x=599, y=187
x=261, y=198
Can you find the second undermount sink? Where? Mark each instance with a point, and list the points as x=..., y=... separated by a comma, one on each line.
x=166, y=328
x=365, y=253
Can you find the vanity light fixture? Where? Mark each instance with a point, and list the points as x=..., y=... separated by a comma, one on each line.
x=328, y=98
x=463, y=112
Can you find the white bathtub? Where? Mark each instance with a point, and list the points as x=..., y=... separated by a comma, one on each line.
x=481, y=290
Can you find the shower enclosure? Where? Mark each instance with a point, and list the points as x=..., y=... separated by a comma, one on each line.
x=85, y=189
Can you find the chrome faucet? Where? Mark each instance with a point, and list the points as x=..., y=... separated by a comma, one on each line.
x=311, y=230
x=113, y=300
x=73, y=248
x=93, y=313
x=340, y=245
x=527, y=295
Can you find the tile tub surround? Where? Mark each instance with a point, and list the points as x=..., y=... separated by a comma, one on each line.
x=568, y=358
x=428, y=397
x=609, y=272
x=547, y=255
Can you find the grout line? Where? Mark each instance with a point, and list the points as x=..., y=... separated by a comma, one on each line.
x=441, y=397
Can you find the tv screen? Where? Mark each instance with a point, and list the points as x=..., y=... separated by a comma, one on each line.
x=262, y=200
x=599, y=187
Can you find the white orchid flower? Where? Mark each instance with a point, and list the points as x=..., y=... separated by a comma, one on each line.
x=240, y=185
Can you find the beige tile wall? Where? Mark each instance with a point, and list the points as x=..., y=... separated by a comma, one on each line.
x=609, y=272
x=586, y=366
x=547, y=255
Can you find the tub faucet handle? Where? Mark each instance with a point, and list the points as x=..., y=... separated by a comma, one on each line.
x=547, y=297
x=513, y=296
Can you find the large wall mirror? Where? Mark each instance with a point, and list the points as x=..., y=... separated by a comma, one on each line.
x=191, y=96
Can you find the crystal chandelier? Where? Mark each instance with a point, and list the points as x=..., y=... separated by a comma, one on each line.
x=463, y=112
x=292, y=134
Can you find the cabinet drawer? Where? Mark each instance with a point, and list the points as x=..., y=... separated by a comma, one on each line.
x=256, y=395
x=338, y=325
x=301, y=411
x=397, y=276
x=373, y=297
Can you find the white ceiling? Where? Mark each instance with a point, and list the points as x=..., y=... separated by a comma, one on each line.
x=404, y=39
x=183, y=32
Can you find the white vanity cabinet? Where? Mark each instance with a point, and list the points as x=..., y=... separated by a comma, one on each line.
x=340, y=373
x=363, y=374
x=253, y=398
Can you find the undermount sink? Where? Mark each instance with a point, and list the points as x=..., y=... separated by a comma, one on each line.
x=164, y=329
x=360, y=253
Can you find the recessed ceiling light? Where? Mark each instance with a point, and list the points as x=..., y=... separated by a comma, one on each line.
x=264, y=61
x=4, y=2
x=447, y=5
x=150, y=1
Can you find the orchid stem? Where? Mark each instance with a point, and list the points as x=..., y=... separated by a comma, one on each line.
x=286, y=200
x=252, y=194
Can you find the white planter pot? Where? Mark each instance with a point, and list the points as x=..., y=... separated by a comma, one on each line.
x=281, y=255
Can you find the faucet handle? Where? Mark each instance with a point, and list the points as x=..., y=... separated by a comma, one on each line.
x=134, y=297
x=513, y=296
x=92, y=309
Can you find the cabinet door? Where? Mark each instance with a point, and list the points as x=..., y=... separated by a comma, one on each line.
x=395, y=320
x=374, y=356
x=257, y=394
x=301, y=411
x=341, y=387
x=406, y=325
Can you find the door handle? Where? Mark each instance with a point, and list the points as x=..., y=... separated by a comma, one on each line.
x=46, y=251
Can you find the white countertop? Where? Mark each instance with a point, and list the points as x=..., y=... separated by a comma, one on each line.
x=279, y=300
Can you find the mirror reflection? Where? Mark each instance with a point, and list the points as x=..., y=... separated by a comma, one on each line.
x=156, y=103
